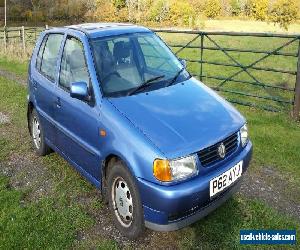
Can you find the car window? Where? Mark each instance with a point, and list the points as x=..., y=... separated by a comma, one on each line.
x=125, y=62
x=154, y=56
x=50, y=54
x=40, y=53
x=73, y=64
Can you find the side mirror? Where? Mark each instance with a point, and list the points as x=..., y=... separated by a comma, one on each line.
x=79, y=90
x=183, y=62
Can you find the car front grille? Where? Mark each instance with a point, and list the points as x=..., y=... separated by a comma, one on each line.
x=210, y=155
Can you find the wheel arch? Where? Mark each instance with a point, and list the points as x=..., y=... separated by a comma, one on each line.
x=105, y=166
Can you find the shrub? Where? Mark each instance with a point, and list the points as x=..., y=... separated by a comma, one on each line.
x=181, y=13
x=258, y=9
x=212, y=8
x=284, y=12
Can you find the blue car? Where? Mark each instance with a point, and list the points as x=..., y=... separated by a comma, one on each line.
x=114, y=101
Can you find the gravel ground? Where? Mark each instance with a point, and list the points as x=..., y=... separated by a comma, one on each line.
x=272, y=187
x=4, y=118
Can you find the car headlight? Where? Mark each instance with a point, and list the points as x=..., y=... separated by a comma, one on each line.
x=170, y=170
x=244, y=135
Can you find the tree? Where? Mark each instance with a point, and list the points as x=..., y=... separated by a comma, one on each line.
x=284, y=12
x=258, y=9
x=119, y=4
x=181, y=13
x=212, y=8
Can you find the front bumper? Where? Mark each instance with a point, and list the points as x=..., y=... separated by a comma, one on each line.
x=168, y=208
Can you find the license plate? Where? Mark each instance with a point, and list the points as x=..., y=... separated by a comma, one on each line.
x=219, y=183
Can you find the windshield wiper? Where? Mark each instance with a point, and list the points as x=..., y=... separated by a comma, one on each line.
x=145, y=84
x=173, y=80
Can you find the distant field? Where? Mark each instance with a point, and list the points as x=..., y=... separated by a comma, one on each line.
x=248, y=26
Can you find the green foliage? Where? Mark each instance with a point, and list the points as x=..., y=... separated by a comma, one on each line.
x=258, y=9
x=119, y=4
x=181, y=13
x=159, y=10
x=284, y=12
x=212, y=8
x=235, y=7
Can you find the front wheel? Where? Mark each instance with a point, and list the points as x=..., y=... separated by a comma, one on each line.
x=37, y=134
x=125, y=202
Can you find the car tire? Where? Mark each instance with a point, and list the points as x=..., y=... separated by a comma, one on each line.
x=37, y=134
x=125, y=202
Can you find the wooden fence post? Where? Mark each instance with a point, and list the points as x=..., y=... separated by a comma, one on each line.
x=20, y=34
x=201, y=57
x=23, y=39
x=296, y=110
x=4, y=38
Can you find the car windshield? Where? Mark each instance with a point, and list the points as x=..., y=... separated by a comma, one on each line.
x=127, y=62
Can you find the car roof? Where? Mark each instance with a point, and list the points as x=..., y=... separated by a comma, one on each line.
x=96, y=30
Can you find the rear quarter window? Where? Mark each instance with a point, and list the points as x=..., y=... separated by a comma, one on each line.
x=48, y=55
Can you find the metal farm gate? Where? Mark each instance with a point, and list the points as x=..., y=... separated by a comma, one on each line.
x=253, y=69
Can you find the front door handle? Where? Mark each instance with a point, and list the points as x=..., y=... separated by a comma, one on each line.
x=58, y=102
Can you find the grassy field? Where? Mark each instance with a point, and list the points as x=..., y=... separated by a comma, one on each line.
x=248, y=26
x=72, y=207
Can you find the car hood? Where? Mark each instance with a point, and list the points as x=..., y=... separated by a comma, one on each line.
x=181, y=119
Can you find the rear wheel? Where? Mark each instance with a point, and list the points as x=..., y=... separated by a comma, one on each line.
x=37, y=134
x=125, y=202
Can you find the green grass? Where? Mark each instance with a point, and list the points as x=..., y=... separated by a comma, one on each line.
x=276, y=139
x=221, y=228
x=37, y=225
x=19, y=68
x=55, y=220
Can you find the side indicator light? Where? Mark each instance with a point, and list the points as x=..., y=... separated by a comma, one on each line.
x=102, y=132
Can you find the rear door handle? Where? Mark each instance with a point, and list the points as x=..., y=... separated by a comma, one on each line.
x=34, y=84
x=58, y=102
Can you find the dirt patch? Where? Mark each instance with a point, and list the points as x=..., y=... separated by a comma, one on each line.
x=13, y=77
x=26, y=172
x=274, y=189
x=104, y=228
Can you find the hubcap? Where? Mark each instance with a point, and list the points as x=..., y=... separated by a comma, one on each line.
x=122, y=202
x=36, y=132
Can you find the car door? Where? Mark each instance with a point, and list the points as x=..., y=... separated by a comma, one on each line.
x=43, y=81
x=77, y=121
